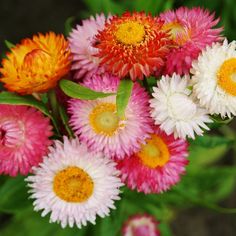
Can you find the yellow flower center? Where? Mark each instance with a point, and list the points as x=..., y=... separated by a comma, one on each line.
x=130, y=33
x=227, y=76
x=177, y=32
x=104, y=119
x=154, y=153
x=73, y=184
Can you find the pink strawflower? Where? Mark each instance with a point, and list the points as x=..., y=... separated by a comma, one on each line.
x=24, y=139
x=98, y=126
x=191, y=30
x=157, y=166
x=81, y=39
x=141, y=225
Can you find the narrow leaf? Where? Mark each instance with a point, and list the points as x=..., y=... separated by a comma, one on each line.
x=211, y=141
x=68, y=25
x=9, y=44
x=14, y=99
x=123, y=95
x=75, y=90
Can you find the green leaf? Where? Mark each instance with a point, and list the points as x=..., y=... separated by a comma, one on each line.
x=14, y=196
x=68, y=25
x=9, y=44
x=165, y=229
x=78, y=91
x=210, y=141
x=203, y=156
x=208, y=149
x=207, y=186
x=28, y=100
x=123, y=94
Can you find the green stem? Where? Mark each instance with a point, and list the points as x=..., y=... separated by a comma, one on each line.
x=145, y=85
x=65, y=120
x=54, y=106
x=53, y=102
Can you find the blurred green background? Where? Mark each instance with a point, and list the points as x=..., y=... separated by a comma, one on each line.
x=196, y=207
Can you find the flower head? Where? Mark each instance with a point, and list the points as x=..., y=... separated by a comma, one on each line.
x=98, y=125
x=157, y=166
x=175, y=110
x=35, y=65
x=81, y=40
x=24, y=139
x=133, y=44
x=191, y=30
x=214, y=79
x=74, y=184
x=141, y=225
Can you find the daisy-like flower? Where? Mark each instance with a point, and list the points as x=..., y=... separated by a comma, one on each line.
x=141, y=225
x=74, y=185
x=35, y=65
x=81, y=40
x=98, y=125
x=214, y=79
x=157, y=166
x=24, y=139
x=175, y=110
x=133, y=44
x=191, y=30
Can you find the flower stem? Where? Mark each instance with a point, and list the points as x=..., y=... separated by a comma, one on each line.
x=146, y=86
x=54, y=106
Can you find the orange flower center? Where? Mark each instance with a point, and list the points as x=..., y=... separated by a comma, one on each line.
x=227, y=76
x=73, y=184
x=104, y=119
x=177, y=32
x=154, y=153
x=130, y=33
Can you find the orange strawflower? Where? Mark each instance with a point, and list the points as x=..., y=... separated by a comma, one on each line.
x=133, y=44
x=35, y=65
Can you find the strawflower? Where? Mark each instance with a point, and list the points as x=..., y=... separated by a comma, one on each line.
x=24, y=139
x=74, y=185
x=35, y=65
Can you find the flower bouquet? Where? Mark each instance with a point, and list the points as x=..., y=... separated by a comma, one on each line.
x=106, y=117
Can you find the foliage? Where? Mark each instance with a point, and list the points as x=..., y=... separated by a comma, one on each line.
x=205, y=185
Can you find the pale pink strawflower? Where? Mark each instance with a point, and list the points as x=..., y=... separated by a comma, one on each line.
x=191, y=30
x=81, y=41
x=74, y=185
x=24, y=139
x=157, y=166
x=98, y=126
x=141, y=225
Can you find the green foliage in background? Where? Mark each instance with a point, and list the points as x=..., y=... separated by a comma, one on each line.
x=207, y=182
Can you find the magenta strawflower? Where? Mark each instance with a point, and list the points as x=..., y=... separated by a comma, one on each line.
x=191, y=30
x=141, y=225
x=81, y=39
x=24, y=139
x=157, y=166
x=98, y=125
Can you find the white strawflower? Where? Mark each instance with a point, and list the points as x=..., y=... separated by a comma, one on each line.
x=175, y=110
x=214, y=79
x=74, y=184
